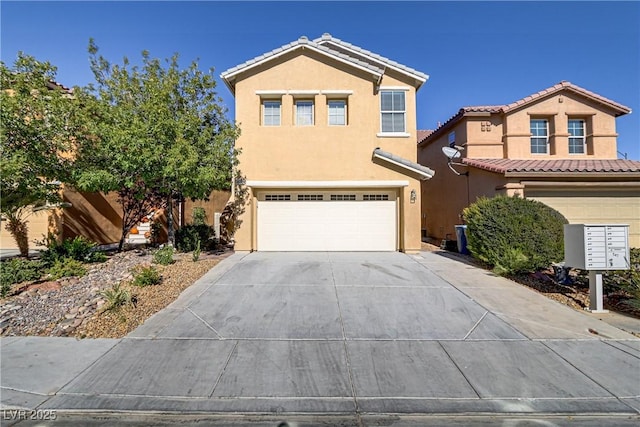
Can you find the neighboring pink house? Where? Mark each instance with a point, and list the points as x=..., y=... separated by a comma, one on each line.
x=558, y=146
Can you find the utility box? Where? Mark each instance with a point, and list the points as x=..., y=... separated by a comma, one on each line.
x=597, y=246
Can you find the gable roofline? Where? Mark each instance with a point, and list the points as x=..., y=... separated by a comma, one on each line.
x=327, y=45
x=619, y=109
x=302, y=43
x=328, y=39
x=566, y=85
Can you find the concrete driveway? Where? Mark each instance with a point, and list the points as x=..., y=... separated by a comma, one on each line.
x=344, y=333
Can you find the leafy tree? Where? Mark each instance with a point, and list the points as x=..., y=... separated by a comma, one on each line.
x=40, y=122
x=160, y=132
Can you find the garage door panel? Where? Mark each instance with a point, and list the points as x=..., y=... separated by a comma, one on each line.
x=326, y=226
x=598, y=207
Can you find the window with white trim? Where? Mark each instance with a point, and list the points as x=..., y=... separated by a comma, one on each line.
x=277, y=197
x=304, y=113
x=310, y=197
x=343, y=197
x=539, y=136
x=375, y=197
x=576, y=136
x=271, y=113
x=337, y=111
x=392, y=111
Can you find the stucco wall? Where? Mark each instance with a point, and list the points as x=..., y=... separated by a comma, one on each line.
x=558, y=109
x=320, y=152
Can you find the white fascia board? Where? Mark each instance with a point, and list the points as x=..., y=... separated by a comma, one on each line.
x=405, y=88
x=326, y=184
x=403, y=166
x=384, y=64
x=271, y=92
x=337, y=92
x=298, y=46
x=303, y=92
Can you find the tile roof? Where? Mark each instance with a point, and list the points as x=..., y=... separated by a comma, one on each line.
x=563, y=85
x=423, y=133
x=301, y=42
x=332, y=47
x=555, y=166
x=329, y=39
x=421, y=170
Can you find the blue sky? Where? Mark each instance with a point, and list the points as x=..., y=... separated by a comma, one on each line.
x=474, y=52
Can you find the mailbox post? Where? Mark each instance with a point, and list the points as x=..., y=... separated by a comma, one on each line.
x=596, y=247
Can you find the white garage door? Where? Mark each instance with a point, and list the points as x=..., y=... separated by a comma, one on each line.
x=326, y=223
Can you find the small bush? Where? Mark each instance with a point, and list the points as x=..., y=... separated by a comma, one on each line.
x=199, y=216
x=146, y=276
x=116, y=297
x=514, y=235
x=188, y=236
x=78, y=248
x=163, y=256
x=627, y=280
x=67, y=268
x=196, y=252
x=18, y=270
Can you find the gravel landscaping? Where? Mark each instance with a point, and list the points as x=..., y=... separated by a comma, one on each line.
x=76, y=307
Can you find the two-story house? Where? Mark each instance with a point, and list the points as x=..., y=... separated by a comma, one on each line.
x=328, y=149
x=558, y=146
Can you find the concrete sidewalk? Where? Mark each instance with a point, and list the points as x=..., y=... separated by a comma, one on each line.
x=348, y=335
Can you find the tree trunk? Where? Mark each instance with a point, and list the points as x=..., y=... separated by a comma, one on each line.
x=171, y=239
x=121, y=242
x=19, y=230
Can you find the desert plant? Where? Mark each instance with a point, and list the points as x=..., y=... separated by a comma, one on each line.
x=18, y=270
x=513, y=234
x=67, y=267
x=146, y=276
x=188, y=236
x=116, y=297
x=163, y=256
x=79, y=248
x=196, y=252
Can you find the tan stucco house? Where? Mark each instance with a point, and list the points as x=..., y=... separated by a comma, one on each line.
x=558, y=146
x=327, y=149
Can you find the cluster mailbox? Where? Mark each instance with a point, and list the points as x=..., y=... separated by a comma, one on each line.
x=596, y=247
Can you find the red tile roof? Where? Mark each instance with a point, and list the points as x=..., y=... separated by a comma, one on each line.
x=498, y=109
x=555, y=166
x=565, y=85
x=422, y=134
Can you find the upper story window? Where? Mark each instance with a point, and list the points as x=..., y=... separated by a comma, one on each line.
x=271, y=113
x=337, y=111
x=392, y=111
x=304, y=113
x=576, y=136
x=539, y=136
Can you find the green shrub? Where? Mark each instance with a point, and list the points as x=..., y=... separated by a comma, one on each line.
x=196, y=252
x=78, y=248
x=627, y=280
x=199, y=216
x=189, y=235
x=163, y=256
x=147, y=276
x=67, y=268
x=116, y=297
x=18, y=270
x=514, y=235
